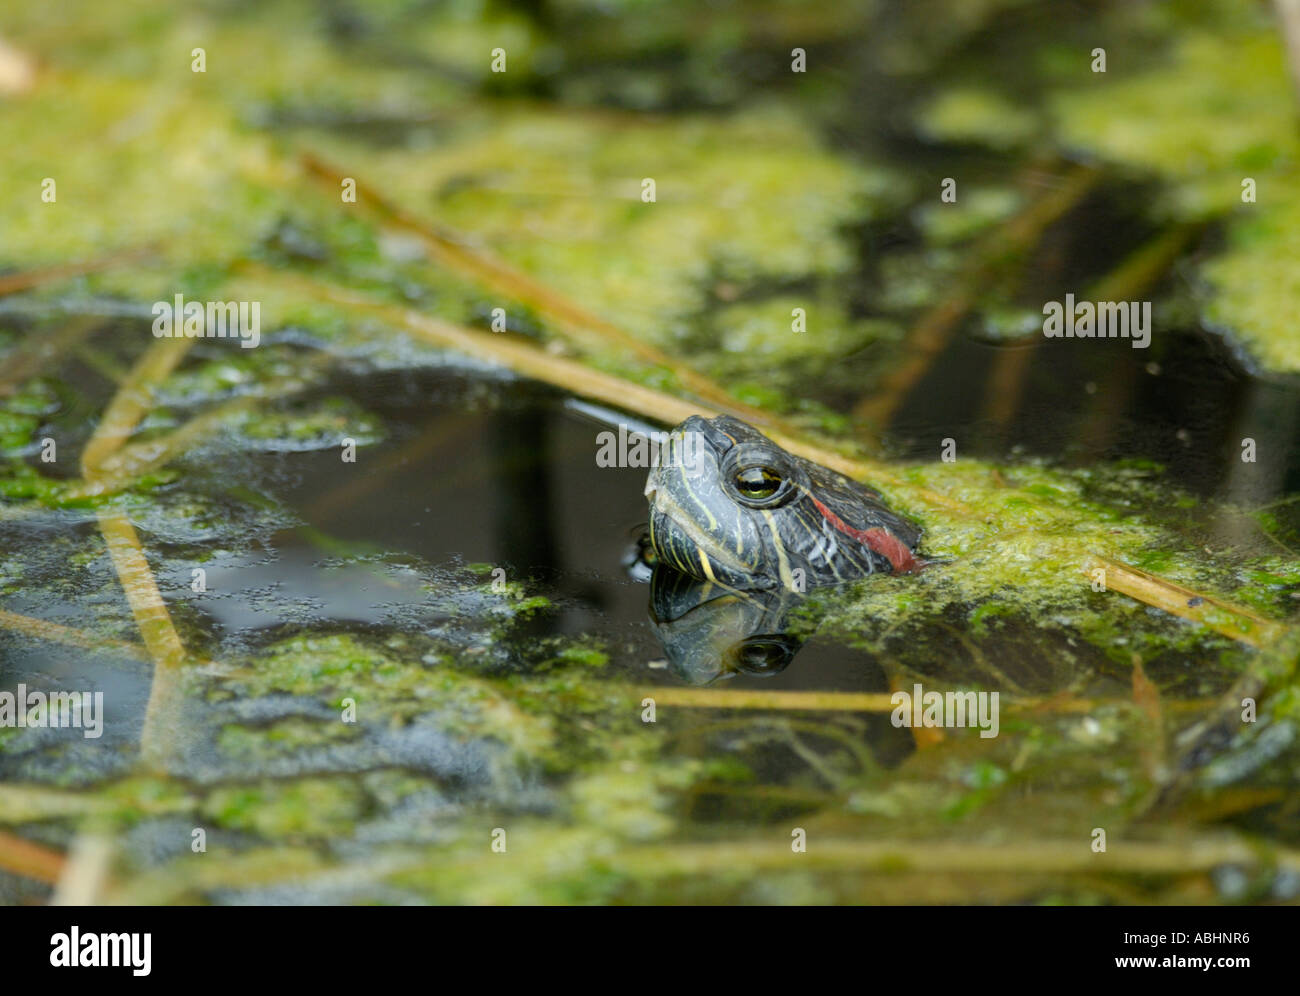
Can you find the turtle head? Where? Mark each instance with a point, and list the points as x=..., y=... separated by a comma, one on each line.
x=708, y=497
x=729, y=505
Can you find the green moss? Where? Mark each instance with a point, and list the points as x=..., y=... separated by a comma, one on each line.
x=137, y=798
x=1255, y=284
x=319, y=807
x=983, y=614
x=35, y=397
x=255, y=746
x=968, y=114
x=759, y=337
x=976, y=210
x=583, y=656
x=327, y=424
x=742, y=199
x=531, y=605
x=1271, y=587
x=1021, y=567
x=191, y=197
x=387, y=686
x=1220, y=111
x=16, y=431
x=629, y=802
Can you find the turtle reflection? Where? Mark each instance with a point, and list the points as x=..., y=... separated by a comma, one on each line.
x=710, y=631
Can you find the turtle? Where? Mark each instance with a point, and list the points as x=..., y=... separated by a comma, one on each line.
x=729, y=506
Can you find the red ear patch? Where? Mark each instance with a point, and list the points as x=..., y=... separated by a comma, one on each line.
x=882, y=541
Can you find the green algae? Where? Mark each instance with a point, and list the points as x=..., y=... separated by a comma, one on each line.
x=975, y=211
x=325, y=424
x=305, y=806
x=759, y=334
x=339, y=668
x=1219, y=117
x=1254, y=285
x=741, y=200
x=22, y=413
x=1018, y=570
x=283, y=738
x=967, y=114
x=109, y=202
x=1220, y=111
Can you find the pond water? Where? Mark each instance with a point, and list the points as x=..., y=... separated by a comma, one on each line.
x=478, y=469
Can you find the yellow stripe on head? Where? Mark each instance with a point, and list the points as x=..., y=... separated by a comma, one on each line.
x=704, y=563
x=783, y=564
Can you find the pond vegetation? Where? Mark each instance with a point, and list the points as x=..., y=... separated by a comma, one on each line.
x=377, y=585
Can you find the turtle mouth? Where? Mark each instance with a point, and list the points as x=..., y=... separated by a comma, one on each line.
x=679, y=539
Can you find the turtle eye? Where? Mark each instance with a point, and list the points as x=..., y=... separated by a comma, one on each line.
x=763, y=655
x=757, y=483
x=758, y=477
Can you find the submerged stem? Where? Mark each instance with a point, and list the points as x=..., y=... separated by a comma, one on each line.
x=131, y=403
x=43, y=629
x=726, y=698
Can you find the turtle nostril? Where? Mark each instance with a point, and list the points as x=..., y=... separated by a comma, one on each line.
x=650, y=491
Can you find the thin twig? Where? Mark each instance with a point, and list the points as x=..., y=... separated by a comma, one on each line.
x=43, y=629
x=85, y=872
x=13, y=283
x=22, y=857
x=160, y=636
x=783, y=701
x=1223, y=617
x=131, y=403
